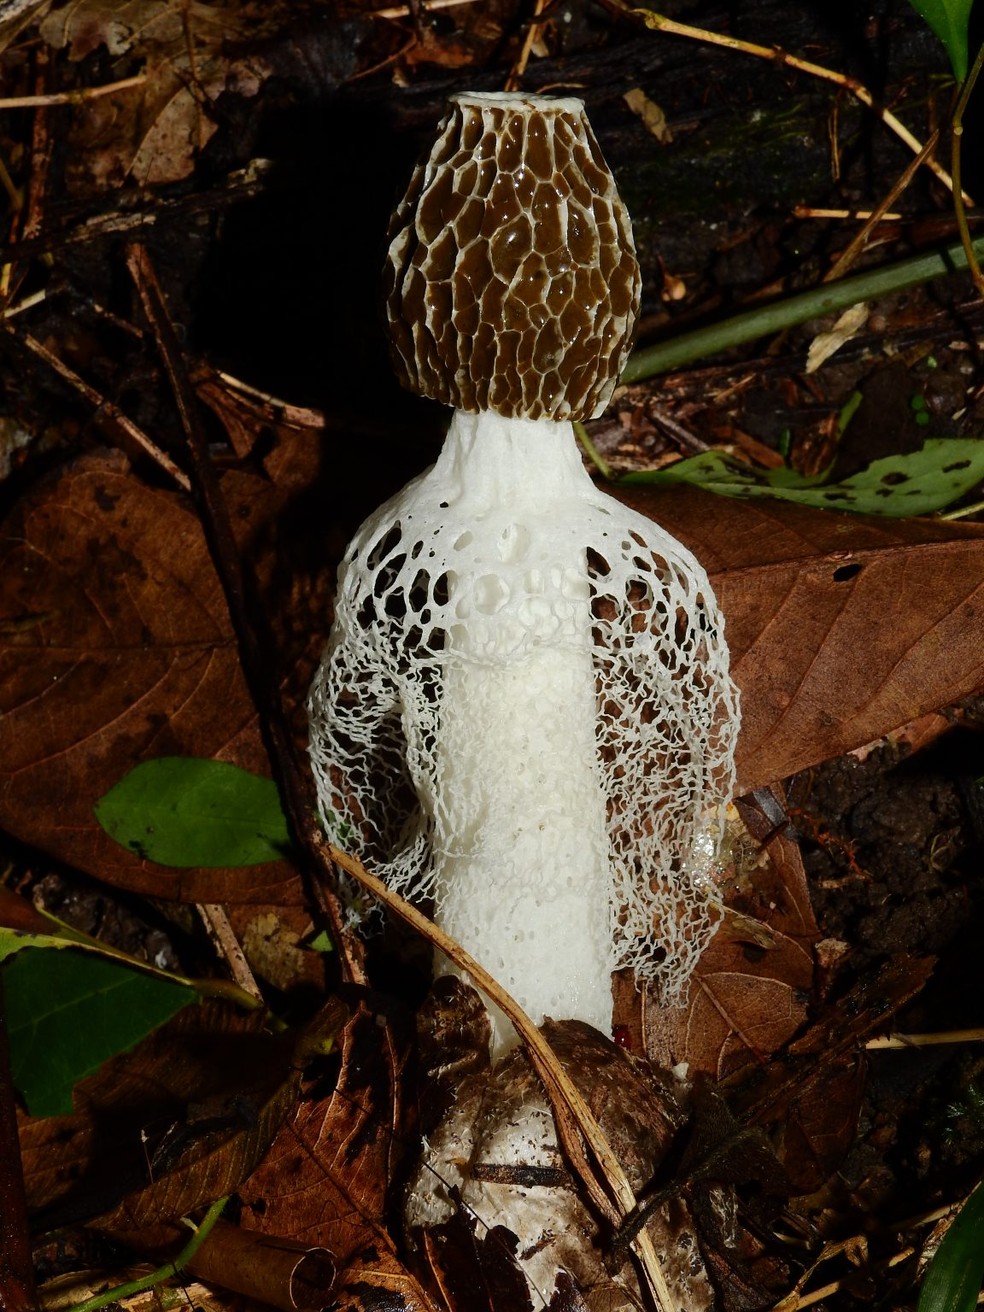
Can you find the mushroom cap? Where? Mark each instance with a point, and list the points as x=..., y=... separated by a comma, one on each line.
x=511, y=280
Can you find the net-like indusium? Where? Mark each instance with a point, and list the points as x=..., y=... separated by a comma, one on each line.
x=525, y=714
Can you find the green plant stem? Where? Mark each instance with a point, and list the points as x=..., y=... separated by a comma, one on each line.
x=956, y=145
x=165, y=1272
x=962, y=512
x=591, y=451
x=777, y=315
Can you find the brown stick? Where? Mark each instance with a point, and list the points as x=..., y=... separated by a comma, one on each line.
x=112, y=416
x=16, y=1263
x=77, y=97
x=846, y=259
x=250, y=625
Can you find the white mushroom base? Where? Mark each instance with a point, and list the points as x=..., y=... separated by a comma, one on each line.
x=525, y=714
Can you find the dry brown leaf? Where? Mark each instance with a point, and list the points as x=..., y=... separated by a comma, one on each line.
x=117, y=648
x=809, y=1101
x=223, y=1146
x=326, y=1177
x=742, y=1006
x=152, y=133
x=841, y=627
x=748, y=993
x=824, y=345
x=652, y=115
x=211, y=1061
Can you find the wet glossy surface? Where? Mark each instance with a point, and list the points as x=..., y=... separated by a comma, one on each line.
x=512, y=283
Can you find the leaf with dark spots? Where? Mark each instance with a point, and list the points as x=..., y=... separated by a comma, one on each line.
x=827, y=664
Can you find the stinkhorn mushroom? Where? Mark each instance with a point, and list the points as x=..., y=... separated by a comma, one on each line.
x=524, y=714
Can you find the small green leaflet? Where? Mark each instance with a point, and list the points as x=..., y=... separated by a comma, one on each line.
x=950, y=20
x=917, y=483
x=321, y=942
x=186, y=812
x=68, y=1012
x=954, y=1276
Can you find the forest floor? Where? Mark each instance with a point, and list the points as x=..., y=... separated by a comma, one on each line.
x=227, y=201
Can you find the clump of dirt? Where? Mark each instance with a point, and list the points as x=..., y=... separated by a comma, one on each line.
x=890, y=847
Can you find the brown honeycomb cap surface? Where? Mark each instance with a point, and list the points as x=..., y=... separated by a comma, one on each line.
x=511, y=281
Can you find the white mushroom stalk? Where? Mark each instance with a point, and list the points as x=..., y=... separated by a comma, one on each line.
x=524, y=714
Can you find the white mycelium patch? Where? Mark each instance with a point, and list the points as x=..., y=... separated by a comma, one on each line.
x=525, y=715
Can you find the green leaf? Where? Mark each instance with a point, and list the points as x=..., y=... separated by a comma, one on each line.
x=322, y=942
x=68, y=1012
x=950, y=20
x=917, y=483
x=954, y=1276
x=185, y=812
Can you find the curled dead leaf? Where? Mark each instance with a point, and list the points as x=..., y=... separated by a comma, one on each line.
x=278, y=1272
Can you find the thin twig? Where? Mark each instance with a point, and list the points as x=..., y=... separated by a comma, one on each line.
x=76, y=97
x=298, y=415
x=856, y=246
x=30, y=204
x=532, y=32
x=926, y=1040
x=105, y=409
x=250, y=624
x=28, y=303
x=226, y=944
x=775, y=55
x=576, y=1125
x=403, y=11
x=811, y=212
x=956, y=143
